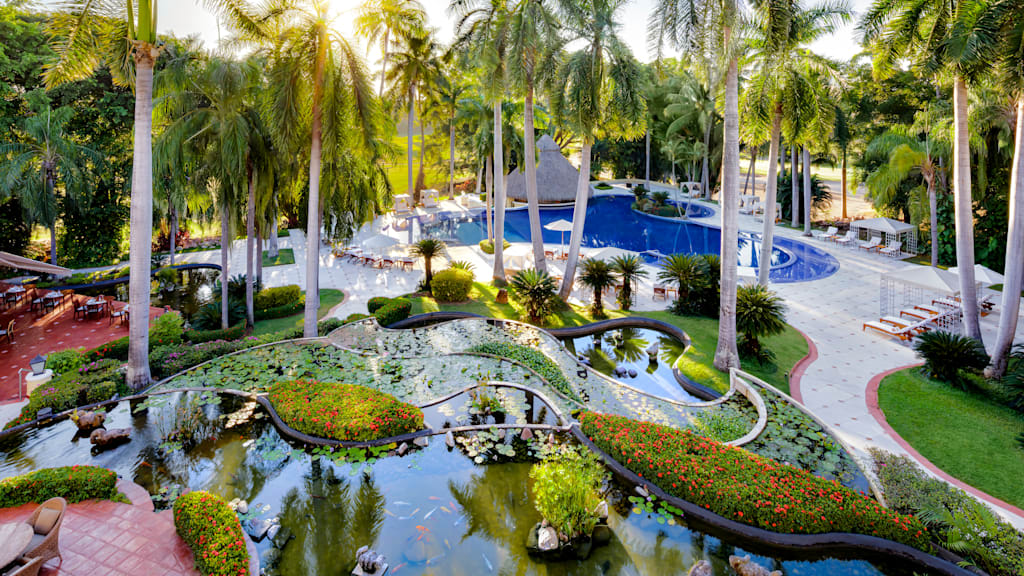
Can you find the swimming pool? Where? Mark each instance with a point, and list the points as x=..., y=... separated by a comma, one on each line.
x=611, y=222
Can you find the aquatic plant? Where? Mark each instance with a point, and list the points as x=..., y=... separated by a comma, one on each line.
x=533, y=359
x=566, y=491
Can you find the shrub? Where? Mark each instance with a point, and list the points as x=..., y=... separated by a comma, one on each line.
x=531, y=358
x=100, y=391
x=212, y=530
x=236, y=287
x=167, y=329
x=278, y=296
x=488, y=247
x=743, y=486
x=72, y=483
x=461, y=265
x=117, y=349
x=536, y=291
x=759, y=313
x=344, y=412
x=209, y=314
x=719, y=425
x=598, y=276
x=64, y=361
x=1013, y=381
x=945, y=353
x=376, y=303
x=690, y=274
x=200, y=336
x=452, y=285
x=355, y=316
x=73, y=389
x=566, y=491
x=169, y=360
x=280, y=311
x=396, y=310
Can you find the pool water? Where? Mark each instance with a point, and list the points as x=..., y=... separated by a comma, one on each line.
x=612, y=222
x=433, y=511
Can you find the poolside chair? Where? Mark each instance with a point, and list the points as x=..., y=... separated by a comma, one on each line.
x=851, y=236
x=80, y=309
x=918, y=314
x=826, y=235
x=45, y=522
x=929, y=309
x=871, y=245
x=892, y=249
x=66, y=295
x=25, y=567
x=660, y=291
x=8, y=333
x=429, y=201
x=751, y=208
x=889, y=330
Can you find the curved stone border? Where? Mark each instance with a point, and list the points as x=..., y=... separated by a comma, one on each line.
x=797, y=372
x=871, y=398
x=830, y=542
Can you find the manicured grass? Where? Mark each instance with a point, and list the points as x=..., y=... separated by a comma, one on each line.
x=999, y=288
x=284, y=256
x=329, y=298
x=964, y=434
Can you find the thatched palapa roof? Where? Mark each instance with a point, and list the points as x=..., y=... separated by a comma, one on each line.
x=556, y=177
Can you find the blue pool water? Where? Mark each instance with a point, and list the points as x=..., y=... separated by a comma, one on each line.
x=611, y=222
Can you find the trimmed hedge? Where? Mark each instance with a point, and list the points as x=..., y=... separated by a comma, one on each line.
x=328, y=325
x=200, y=336
x=212, y=530
x=396, y=310
x=346, y=412
x=117, y=349
x=451, y=285
x=355, y=316
x=166, y=330
x=533, y=359
x=376, y=303
x=64, y=361
x=92, y=382
x=280, y=311
x=72, y=483
x=742, y=486
x=279, y=296
x=488, y=247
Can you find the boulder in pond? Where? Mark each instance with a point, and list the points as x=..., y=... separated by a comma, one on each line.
x=103, y=439
x=547, y=539
x=745, y=567
x=702, y=568
x=87, y=420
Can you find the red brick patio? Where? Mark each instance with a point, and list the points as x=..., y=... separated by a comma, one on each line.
x=102, y=538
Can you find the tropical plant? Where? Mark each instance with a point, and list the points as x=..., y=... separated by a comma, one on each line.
x=452, y=285
x=598, y=276
x=567, y=491
x=630, y=270
x=428, y=249
x=946, y=354
x=688, y=272
x=415, y=66
x=379, y=19
x=461, y=265
x=759, y=313
x=1013, y=380
x=534, y=290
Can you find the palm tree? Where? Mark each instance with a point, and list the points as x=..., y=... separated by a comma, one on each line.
x=939, y=36
x=449, y=88
x=597, y=275
x=123, y=36
x=415, y=65
x=693, y=108
x=379, y=19
x=630, y=269
x=598, y=93
x=428, y=249
x=534, y=290
x=44, y=158
x=688, y=272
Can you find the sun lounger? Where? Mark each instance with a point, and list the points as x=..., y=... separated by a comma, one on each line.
x=930, y=309
x=660, y=291
x=751, y=208
x=892, y=249
x=917, y=313
x=851, y=235
x=826, y=235
x=871, y=245
x=889, y=330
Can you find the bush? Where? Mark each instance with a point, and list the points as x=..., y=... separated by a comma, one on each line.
x=452, y=285
x=344, y=412
x=72, y=483
x=64, y=361
x=100, y=391
x=1013, y=382
x=92, y=382
x=535, y=291
x=200, y=336
x=117, y=349
x=759, y=313
x=212, y=530
x=274, y=297
x=488, y=247
x=396, y=310
x=355, y=316
x=236, y=287
x=280, y=311
x=743, y=486
x=167, y=329
x=691, y=274
x=376, y=303
x=566, y=490
x=945, y=353
x=208, y=315
x=168, y=360
x=531, y=358
x=328, y=325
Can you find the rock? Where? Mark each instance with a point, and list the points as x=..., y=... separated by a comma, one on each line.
x=403, y=448
x=87, y=420
x=744, y=567
x=501, y=433
x=421, y=441
x=526, y=434
x=101, y=438
x=449, y=439
x=602, y=511
x=281, y=536
x=632, y=373
x=243, y=507
x=702, y=568
x=257, y=529
x=642, y=492
x=272, y=532
x=602, y=535
x=547, y=539
x=652, y=351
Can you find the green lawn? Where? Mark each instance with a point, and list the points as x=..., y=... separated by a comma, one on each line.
x=999, y=288
x=284, y=256
x=329, y=298
x=964, y=434
x=789, y=346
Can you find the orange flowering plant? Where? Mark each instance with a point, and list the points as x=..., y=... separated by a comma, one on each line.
x=212, y=530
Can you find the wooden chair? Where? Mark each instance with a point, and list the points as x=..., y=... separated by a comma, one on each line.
x=66, y=295
x=8, y=333
x=80, y=309
x=120, y=315
x=25, y=567
x=45, y=522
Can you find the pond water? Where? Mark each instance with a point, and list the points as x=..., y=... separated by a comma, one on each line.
x=433, y=511
x=186, y=292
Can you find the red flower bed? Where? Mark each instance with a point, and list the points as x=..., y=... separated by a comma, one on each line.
x=212, y=530
x=344, y=412
x=743, y=486
x=72, y=483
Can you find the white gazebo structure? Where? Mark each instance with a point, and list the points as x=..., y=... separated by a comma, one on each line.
x=916, y=285
x=890, y=231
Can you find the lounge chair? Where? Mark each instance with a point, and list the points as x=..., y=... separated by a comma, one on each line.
x=871, y=245
x=929, y=309
x=826, y=235
x=918, y=314
x=660, y=291
x=8, y=333
x=45, y=522
x=893, y=249
x=751, y=208
x=25, y=567
x=889, y=330
x=851, y=235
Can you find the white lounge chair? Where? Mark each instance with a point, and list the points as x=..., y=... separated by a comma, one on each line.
x=751, y=208
x=893, y=249
x=871, y=245
x=889, y=330
x=826, y=235
x=851, y=235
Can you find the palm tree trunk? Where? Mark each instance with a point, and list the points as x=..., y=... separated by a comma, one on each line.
x=451, y=157
x=225, y=247
x=647, y=162
x=844, y=183
x=384, y=62
x=313, y=210
x=705, y=177
x=272, y=248
x=250, y=236
x=141, y=228
x=1014, y=255
x=532, y=202
x=807, y=192
x=174, y=232
x=750, y=171
x=964, y=213
x=258, y=255
x=490, y=198
x=726, y=354
x=579, y=216
x=771, y=193
x=933, y=220
x=53, y=243
x=420, y=177
x=795, y=182
x=408, y=134
x=499, y=198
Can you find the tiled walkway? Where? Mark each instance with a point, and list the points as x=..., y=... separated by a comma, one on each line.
x=102, y=538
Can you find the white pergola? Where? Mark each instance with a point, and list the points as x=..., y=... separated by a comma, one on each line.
x=918, y=285
x=890, y=230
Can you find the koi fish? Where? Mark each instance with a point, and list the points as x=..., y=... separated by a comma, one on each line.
x=452, y=504
x=449, y=546
x=389, y=512
x=445, y=510
x=422, y=534
x=400, y=503
x=146, y=464
x=422, y=528
x=410, y=515
x=435, y=559
x=397, y=568
x=490, y=568
x=429, y=513
x=433, y=498
x=459, y=519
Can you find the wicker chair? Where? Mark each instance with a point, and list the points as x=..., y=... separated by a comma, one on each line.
x=44, y=542
x=25, y=567
x=8, y=333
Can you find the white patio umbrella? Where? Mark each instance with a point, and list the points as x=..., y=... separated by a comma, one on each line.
x=983, y=274
x=609, y=252
x=378, y=241
x=561, y=225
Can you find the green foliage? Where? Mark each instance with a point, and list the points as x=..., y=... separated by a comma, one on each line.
x=208, y=316
x=328, y=325
x=355, y=316
x=685, y=465
x=277, y=296
x=945, y=354
x=212, y=530
x=167, y=329
x=1013, y=381
x=168, y=360
x=90, y=235
x=345, y=412
x=629, y=270
x=596, y=275
x=567, y=491
x=535, y=291
x=488, y=247
x=759, y=313
x=64, y=361
x=394, y=311
x=821, y=196
x=720, y=425
x=689, y=273
x=428, y=249
x=452, y=285
x=92, y=382
x=461, y=265
x=660, y=197
x=117, y=349
x=376, y=303
x=14, y=230
x=533, y=359
x=281, y=311
x=72, y=483
x=236, y=288
x=199, y=336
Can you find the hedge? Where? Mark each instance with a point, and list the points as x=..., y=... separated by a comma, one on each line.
x=346, y=412
x=451, y=285
x=488, y=246
x=743, y=486
x=533, y=359
x=278, y=296
x=376, y=303
x=212, y=530
x=280, y=311
x=72, y=483
x=166, y=330
x=396, y=310
x=200, y=336
x=355, y=316
x=92, y=382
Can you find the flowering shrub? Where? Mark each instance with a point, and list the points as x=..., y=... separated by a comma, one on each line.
x=533, y=359
x=92, y=382
x=345, y=412
x=396, y=310
x=212, y=530
x=72, y=483
x=743, y=486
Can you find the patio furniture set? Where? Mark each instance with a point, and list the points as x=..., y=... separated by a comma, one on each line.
x=360, y=256
x=26, y=546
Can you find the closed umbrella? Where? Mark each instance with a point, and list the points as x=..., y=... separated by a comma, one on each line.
x=8, y=260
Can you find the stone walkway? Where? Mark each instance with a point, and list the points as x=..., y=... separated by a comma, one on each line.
x=103, y=538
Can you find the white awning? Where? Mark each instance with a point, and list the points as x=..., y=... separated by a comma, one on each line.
x=8, y=260
x=886, y=225
x=934, y=279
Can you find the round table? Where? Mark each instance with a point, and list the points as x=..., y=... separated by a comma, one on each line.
x=14, y=538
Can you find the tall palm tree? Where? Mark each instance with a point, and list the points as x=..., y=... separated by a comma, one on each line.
x=693, y=108
x=449, y=88
x=379, y=19
x=123, y=36
x=939, y=36
x=428, y=249
x=44, y=158
x=416, y=65
x=598, y=94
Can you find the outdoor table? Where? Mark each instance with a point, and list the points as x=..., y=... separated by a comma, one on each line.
x=13, y=295
x=94, y=306
x=14, y=537
x=51, y=299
